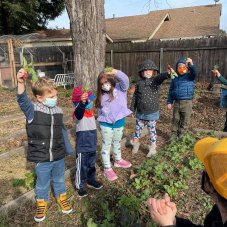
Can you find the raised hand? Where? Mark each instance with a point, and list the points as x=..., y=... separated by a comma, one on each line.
x=171, y=72
x=110, y=70
x=216, y=72
x=84, y=97
x=189, y=61
x=22, y=76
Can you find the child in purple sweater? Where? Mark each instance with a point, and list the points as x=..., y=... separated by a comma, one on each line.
x=111, y=102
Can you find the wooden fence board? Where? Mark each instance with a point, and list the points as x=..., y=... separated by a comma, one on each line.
x=204, y=52
x=127, y=56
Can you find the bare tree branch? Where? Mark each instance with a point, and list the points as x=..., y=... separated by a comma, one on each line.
x=156, y=3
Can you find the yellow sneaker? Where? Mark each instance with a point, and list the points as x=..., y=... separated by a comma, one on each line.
x=41, y=208
x=64, y=204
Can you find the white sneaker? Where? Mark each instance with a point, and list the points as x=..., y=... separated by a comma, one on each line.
x=152, y=150
x=135, y=146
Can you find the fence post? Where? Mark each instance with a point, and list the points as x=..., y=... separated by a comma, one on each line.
x=12, y=62
x=161, y=60
x=111, y=58
x=64, y=64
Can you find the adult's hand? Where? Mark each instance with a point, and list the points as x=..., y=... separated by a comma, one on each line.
x=162, y=211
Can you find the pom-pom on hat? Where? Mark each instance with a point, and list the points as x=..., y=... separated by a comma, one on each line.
x=213, y=154
x=77, y=93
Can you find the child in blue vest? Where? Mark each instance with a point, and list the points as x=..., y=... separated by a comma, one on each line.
x=47, y=141
x=180, y=96
x=86, y=141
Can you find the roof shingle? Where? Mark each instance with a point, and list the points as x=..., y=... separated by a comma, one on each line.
x=185, y=22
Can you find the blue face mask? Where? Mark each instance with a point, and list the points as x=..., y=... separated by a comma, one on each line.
x=50, y=102
x=89, y=105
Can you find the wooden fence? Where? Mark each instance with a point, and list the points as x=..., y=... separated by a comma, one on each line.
x=204, y=52
x=126, y=56
x=52, y=60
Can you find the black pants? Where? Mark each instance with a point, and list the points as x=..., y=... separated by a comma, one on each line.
x=85, y=168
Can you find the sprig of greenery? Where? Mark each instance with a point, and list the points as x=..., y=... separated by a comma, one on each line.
x=29, y=68
x=173, y=74
x=85, y=88
x=108, y=69
x=28, y=182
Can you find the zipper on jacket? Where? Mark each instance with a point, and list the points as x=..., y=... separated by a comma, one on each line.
x=51, y=135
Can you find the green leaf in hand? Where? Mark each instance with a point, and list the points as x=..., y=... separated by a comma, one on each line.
x=173, y=75
x=108, y=69
x=85, y=89
x=29, y=68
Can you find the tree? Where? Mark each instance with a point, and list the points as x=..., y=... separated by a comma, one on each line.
x=222, y=32
x=24, y=16
x=88, y=36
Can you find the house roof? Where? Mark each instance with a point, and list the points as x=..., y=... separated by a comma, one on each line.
x=188, y=22
x=48, y=37
x=185, y=22
x=135, y=27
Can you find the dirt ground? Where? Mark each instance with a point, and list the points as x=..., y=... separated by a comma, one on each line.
x=206, y=115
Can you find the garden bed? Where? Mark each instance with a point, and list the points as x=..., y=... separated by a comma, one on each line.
x=16, y=167
x=122, y=202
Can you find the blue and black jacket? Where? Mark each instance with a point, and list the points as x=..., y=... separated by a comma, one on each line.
x=182, y=87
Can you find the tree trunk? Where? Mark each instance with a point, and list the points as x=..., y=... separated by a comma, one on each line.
x=88, y=36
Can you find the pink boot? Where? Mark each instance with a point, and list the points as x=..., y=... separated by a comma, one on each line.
x=122, y=163
x=110, y=174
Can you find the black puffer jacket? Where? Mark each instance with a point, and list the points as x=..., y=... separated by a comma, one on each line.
x=146, y=97
x=45, y=138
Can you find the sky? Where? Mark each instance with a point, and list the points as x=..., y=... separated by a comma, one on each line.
x=121, y=8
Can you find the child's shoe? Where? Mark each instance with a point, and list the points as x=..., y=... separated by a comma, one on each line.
x=152, y=150
x=41, y=208
x=123, y=163
x=135, y=146
x=110, y=174
x=81, y=192
x=94, y=184
x=64, y=204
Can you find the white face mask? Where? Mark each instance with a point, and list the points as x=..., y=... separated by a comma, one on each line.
x=106, y=86
x=148, y=74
